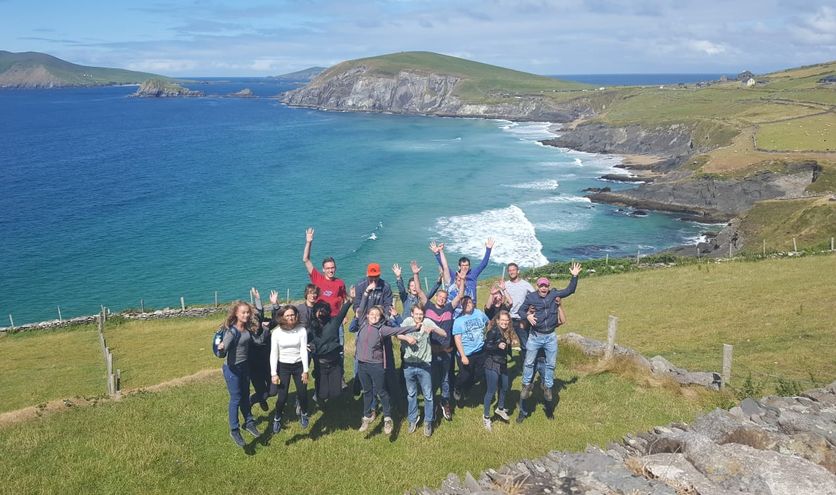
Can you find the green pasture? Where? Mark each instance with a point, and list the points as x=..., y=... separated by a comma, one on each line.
x=813, y=133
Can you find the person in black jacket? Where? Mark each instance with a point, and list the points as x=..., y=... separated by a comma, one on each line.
x=259, y=360
x=498, y=338
x=324, y=332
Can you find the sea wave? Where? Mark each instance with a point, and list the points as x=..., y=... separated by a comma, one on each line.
x=529, y=131
x=515, y=236
x=540, y=185
x=559, y=199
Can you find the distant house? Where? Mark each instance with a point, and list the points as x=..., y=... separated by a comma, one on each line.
x=723, y=78
x=745, y=76
x=831, y=79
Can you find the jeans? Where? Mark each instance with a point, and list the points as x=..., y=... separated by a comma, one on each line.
x=372, y=378
x=537, y=341
x=441, y=374
x=415, y=376
x=495, y=380
x=286, y=371
x=238, y=383
x=470, y=372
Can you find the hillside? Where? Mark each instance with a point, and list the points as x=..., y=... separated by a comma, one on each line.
x=713, y=150
x=300, y=75
x=433, y=84
x=39, y=70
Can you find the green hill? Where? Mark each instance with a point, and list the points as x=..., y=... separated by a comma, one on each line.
x=478, y=80
x=40, y=70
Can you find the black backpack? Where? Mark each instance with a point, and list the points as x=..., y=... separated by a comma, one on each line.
x=218, y=337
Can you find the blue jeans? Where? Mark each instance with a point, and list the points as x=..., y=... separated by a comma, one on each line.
x=441, y=375
x=537, y=341
x=495, y=380
x=415, y=376
x=238, y=383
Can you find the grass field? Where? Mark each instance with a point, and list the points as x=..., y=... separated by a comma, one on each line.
x=814, y=133
x=777, y=314
x=812, y=221
x=50, y=364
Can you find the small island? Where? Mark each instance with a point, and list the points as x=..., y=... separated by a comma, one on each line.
x=158, y=88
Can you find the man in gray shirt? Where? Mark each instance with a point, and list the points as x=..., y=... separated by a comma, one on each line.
x=518, y=288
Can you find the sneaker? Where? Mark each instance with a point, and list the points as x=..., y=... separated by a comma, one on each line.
x=373, y=416
x=521, y=417
x=303, y=420
x=277, y=425
x=298, y=408
x=502, y=413
x=412, y=427
x=547, y=394
x=525, y=393
x=263, y=405
x=364, y=426
x=447, y=412
x=428, y=430
x=487, y=423
x=457, y=394
x=388, y=426
x=251, y=429
x=237, y=438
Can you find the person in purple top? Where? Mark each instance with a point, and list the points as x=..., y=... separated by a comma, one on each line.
x=464, y=263
x=544, y=321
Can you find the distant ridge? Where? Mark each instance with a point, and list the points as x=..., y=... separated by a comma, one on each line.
x=29, y=70
x=303, y=75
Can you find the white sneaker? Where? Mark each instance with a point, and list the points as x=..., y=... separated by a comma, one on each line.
x=487, y=423
x=388, y=426
x=364, y=426
x=502, y=413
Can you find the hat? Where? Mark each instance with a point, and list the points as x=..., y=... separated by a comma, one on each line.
x=373, y=270
x=542, y=281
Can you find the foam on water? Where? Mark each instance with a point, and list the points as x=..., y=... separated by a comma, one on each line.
x=540, y=185
x=559, y=199
x=528, y=131
x=515, y=236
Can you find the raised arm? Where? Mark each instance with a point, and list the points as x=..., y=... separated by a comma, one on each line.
x=460, y=280
x=362, y=307
x=416, y=270
x=259, y=308
x=573, y=284
x=438, y=251
x=485, y=259
x=396, y=269
x=306, y=254
x=506, y=297
x=437, y=284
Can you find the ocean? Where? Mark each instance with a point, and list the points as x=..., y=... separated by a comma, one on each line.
x=107, y=200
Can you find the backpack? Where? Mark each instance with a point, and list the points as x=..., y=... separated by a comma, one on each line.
x=218, y=337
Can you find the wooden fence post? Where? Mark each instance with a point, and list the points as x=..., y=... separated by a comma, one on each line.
x=794, y=246
x=764, y=248
x=60, y=319
x=608, y=259
x=730, y=249
x=182, y=304
x=11, y=321
x=727, y=362
x=831, y=244
x=288, y=296
x=612, y=328
x=638, y=252
x=142, y=305
x=216, y=299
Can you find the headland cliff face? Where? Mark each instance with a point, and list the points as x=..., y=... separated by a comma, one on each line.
x=357, y=89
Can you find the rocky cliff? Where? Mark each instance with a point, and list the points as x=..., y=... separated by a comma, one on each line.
x=775, y=445
x=673, y=140
x=424, y=93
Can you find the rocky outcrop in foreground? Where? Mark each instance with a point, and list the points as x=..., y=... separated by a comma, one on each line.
x=358, y=89
x=777, y=445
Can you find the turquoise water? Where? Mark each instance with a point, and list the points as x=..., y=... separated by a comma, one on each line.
x=108, y=200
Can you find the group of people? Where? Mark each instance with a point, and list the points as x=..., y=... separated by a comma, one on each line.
x=447, y=343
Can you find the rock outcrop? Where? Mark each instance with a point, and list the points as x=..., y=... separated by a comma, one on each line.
x=244, y=93
x=673, y=140
x=777, y=445
x=157, y=88
x=420, y=93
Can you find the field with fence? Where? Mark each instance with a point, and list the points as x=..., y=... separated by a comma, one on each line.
x=777, y=313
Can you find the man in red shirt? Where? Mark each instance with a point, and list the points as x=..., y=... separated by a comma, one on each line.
x=331, y=289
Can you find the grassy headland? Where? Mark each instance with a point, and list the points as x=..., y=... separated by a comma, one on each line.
x=34, y=69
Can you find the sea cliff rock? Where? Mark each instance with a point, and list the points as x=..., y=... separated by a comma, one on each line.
x=244, y=93
x=770, y=446
x=411, y=92
x=157, y=88
x=673, y=140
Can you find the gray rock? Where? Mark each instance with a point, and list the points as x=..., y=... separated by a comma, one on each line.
x=679, y=474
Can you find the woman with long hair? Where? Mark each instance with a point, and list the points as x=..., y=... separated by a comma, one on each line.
x=498, y=337
x=289, y=358
x=325, y=336
x=241, y=331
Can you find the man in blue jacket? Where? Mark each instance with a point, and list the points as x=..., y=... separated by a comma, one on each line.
x=464, y=264
x=542, y=335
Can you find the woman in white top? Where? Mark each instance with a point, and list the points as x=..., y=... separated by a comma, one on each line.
x=289, y=358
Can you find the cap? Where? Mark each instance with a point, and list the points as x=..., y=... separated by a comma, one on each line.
x=542, y=281
x=373, y=270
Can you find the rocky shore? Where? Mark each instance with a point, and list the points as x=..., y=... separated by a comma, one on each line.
x=157, y=88
x=775, y=445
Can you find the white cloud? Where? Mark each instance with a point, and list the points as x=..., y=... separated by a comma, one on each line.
x=817, y=28
x=706, y=47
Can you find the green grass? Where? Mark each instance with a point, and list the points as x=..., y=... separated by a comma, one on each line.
x=813, y=133
x=43, y=365
x=73, y=74
x=177, y=441
x=778, y=314
x=812, y=221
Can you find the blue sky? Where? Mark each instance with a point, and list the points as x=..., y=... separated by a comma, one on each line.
x=259, y=37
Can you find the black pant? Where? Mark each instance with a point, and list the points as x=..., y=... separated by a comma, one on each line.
x=285, y=372
x=373, y=377
x=470, y=372
x=260, y=377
